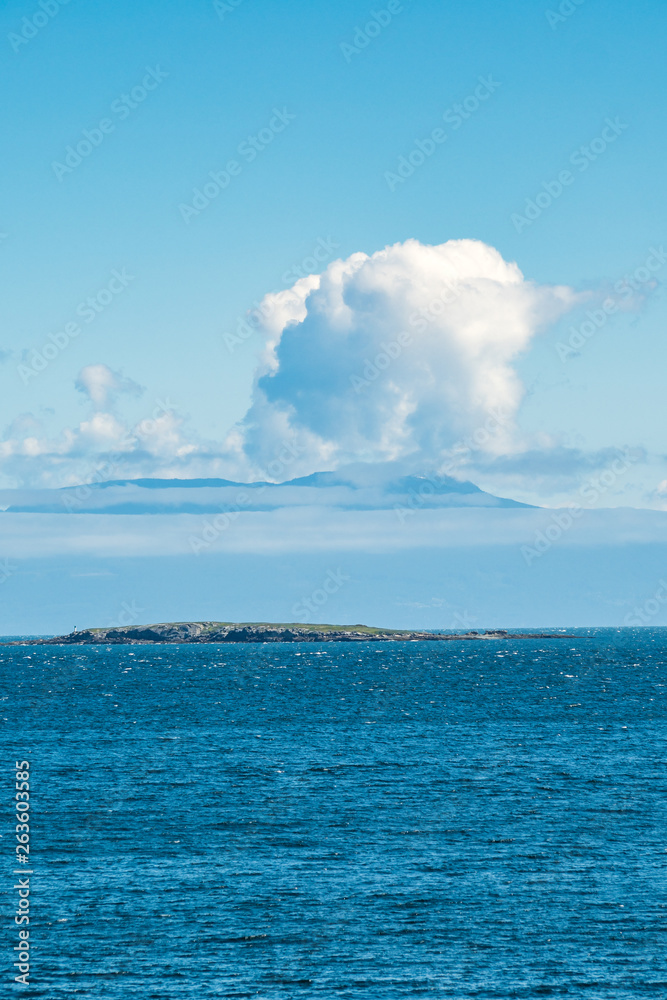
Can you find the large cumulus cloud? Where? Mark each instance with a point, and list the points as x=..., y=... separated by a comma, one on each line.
x=401, y=357
x=404, y=353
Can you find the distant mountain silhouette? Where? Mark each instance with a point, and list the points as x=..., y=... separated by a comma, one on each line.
x=354, y=487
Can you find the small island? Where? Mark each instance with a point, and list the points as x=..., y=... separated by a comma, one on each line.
x=197, y=632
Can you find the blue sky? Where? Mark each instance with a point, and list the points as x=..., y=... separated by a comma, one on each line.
x=220, y=75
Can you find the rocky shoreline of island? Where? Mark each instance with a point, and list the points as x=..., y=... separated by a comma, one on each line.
x=218, y=632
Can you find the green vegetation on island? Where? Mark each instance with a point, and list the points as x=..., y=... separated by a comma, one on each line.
x=210, y=632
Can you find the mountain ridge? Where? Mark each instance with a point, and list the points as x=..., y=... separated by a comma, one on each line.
x=359, y=488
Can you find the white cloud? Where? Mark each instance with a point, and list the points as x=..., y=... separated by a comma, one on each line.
x=402, y=356
x=315, y=529
x=402, y=353
x=102, y=386
x=104, y=445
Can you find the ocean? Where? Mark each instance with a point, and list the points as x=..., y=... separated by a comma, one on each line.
x=453, y=820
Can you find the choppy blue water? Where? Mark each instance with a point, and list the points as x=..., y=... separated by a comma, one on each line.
x=460, y=820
